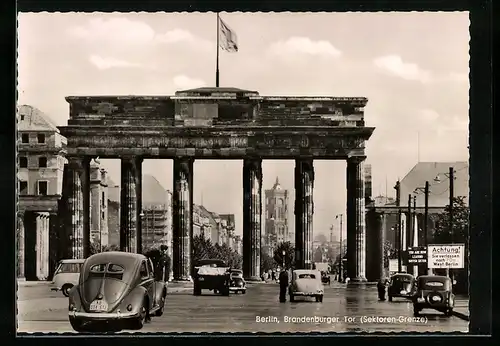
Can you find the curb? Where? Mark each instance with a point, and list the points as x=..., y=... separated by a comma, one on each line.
x=461, y=316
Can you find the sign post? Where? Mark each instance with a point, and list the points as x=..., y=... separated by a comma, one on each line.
x=446, y=256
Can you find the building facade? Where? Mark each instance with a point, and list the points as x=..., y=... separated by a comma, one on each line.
x=276, y=218
x=40, y=165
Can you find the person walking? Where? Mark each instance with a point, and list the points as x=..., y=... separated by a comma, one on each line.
x=381, y=288
x=283, y=285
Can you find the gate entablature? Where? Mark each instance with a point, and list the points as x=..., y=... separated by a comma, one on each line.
x=215, y=123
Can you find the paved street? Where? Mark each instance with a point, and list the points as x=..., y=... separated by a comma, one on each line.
x=43, y=311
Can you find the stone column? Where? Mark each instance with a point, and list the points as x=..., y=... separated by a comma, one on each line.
x=252, y=217
x=20, y=245
x=383, y=236
x=182, y=218
x=356, y=232
x=77, y=216
x=54, y=254
x=304, y=210
x=131, y=205
x=38, y=245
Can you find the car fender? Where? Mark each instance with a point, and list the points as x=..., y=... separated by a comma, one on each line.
x=135, y=298
x=160, y=286
x=74, y=299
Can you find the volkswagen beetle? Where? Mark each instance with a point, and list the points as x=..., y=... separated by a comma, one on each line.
x=238, y=283
x=401, y=285
x=433, y=292
x=115, y=291
x=306, y=283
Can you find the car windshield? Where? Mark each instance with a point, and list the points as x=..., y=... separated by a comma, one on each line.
x=110, y=270
x=69, y=268
x=433, y=285
x=307, y=276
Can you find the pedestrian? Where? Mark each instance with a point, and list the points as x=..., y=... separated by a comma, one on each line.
x=283, y=285
x=381, y=288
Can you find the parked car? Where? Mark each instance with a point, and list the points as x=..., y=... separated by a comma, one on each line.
x=306, y=283
x=401, y=285
x=237, y=283
x=211, y=274
x=325, y=278
x=66, y=275
x=433, y=292
x=116, y=290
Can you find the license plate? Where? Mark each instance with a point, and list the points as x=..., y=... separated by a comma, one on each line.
x=98, y=306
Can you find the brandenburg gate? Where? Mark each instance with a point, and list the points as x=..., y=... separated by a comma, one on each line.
x=216, y=123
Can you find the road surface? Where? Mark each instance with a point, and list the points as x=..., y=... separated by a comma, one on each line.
x=344, y=309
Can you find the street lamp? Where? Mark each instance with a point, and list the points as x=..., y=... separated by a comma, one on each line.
x=283, y=253
x=426, y=191
x=339, y=216
x=397, y=187
x=451, y=176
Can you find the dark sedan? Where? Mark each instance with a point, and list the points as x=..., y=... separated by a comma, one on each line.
x=434, y=292
x=237, y=282
x=116, y=290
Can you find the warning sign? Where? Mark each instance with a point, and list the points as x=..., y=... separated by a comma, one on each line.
x=446, y=256
x=416, y=255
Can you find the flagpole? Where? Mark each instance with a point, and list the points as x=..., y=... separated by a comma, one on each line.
x=217, y=60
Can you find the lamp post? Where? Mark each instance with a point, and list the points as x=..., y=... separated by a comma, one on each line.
x=451, y=176
x=426, y=190
x=284, y=254
x=341, y=257
x=397, y=187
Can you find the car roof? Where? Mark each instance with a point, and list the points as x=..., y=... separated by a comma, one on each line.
x=433, y=278
x=406, y=275
x=73, y=260
x=126, y=259
x=305, y=271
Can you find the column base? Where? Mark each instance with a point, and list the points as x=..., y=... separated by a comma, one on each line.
x=183, y=279
x=359, y=279
x=254, y=279
x=21, y=279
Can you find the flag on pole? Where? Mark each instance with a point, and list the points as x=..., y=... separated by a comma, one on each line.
x=228, y=40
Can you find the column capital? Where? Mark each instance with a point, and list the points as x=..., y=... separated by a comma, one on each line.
x=356, y=159
x=131, y=158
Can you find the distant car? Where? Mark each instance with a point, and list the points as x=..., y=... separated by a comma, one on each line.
x=401, y=285
x=237, y=283
x=325, y=278
x=66, y=275
x=211, y=274
x=115, y=291
x=433, y=292
x=306, y=283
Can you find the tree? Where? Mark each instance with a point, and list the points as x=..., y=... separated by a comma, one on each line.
x=289, y=250
x=95, y=247
x=204, y=249
x=460, y=223
x=266, y=262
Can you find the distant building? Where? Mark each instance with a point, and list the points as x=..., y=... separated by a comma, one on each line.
x=99, y=197
x=276, y=218
x=113, y=212
x=40, y=166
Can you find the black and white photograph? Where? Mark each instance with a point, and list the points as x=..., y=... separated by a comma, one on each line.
x=239, y=172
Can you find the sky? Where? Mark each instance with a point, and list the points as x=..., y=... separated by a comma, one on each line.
x=412, y=67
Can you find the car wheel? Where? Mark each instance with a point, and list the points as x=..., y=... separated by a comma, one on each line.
x=196, y=290
x=416, y=311
x=77, y=325
x=66, y=288
x=138, y=323
x=159, y=312
x=244, y=291
x=321, y=298
x=292, y=298
x=225, y=292
x=216, y=291
x=390, y=298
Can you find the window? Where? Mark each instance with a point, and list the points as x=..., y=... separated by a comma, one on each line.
x=103, y=200
x=23, y=187
x=25, y=138
x=69, y=268
x=102, y=215
x=41, y=138
x=42, y=162
x=307, y=276
x=22, y=117
x=23, y=162
x=42, y=188
x=144, y=270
